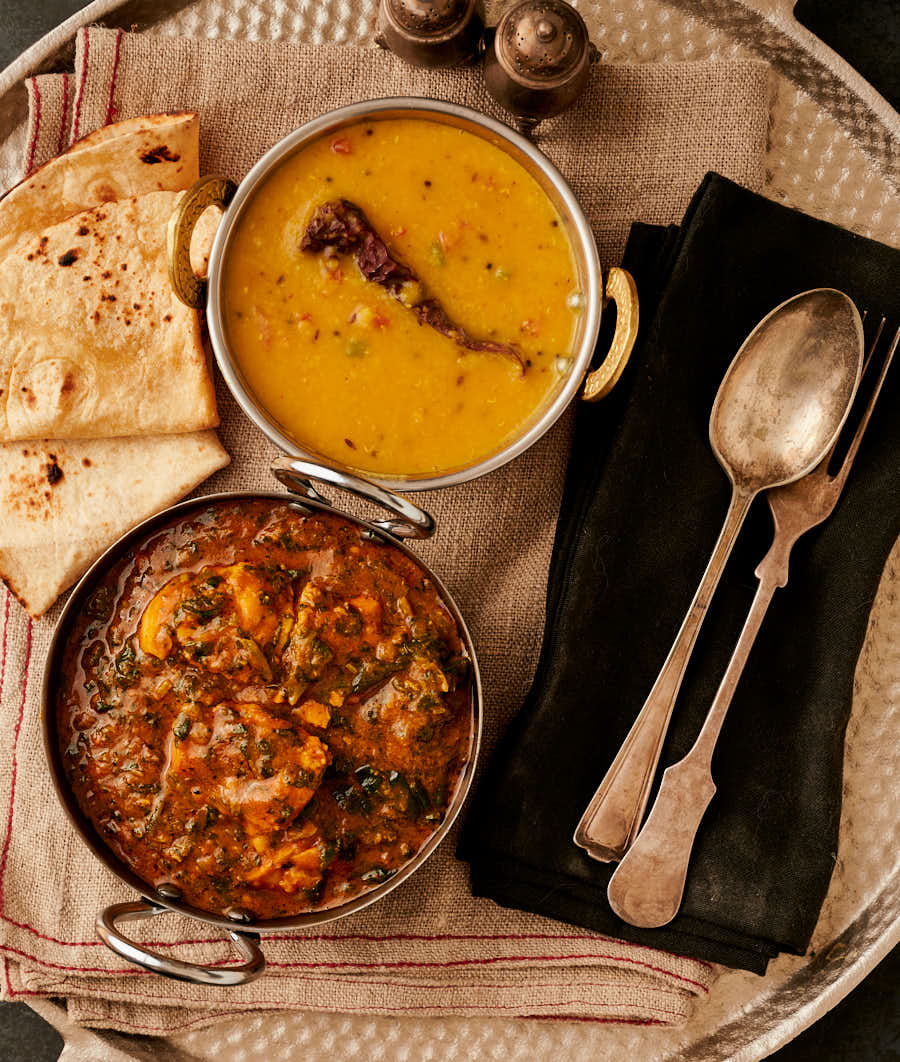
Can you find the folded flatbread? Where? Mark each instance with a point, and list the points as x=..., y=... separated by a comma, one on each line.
x=158, y=153
x=93, y=341
x=63, y=503
x=99, y=350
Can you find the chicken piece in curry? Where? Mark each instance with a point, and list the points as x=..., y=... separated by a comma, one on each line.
x=265, y=708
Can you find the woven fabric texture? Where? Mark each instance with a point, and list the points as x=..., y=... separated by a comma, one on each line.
x=635, y=147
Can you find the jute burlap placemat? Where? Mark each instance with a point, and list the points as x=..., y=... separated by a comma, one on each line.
x=635, y=147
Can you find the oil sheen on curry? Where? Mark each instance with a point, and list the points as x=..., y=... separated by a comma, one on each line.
x=355, y=365
x=265, y=708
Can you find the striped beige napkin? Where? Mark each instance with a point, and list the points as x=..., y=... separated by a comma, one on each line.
x=635, y=147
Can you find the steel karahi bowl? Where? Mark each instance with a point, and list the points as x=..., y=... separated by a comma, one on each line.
x=406, y=521
x=619, y=286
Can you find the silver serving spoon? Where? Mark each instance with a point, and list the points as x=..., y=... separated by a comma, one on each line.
x=778, y=410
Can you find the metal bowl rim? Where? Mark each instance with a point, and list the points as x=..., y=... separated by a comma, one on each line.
x=517, y=147
x=86, y=830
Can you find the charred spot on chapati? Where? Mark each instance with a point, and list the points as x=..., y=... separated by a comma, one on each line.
x=161, y=153
x=54, y=472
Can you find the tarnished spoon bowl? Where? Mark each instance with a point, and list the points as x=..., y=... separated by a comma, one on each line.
x=786, y=394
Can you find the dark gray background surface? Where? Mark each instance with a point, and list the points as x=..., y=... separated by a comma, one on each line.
x=865, y=1027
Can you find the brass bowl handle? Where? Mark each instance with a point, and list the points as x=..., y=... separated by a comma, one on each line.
x=207, y=192
x=622, y=290
x=246, y=943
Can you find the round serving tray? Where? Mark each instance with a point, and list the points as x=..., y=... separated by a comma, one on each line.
x=833, y=152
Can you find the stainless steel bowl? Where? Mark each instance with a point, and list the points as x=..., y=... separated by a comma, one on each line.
x=620, y=287
x=406, y=521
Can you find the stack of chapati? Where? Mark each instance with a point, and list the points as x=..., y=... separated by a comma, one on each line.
x=106, y=396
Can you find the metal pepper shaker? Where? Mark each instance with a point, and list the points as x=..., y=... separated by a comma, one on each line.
x=539, y=60
x=431, y=32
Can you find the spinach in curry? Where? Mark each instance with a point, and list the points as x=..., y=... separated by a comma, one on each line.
x=265, y=708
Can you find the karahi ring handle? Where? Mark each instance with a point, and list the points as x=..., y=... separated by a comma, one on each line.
x=179, y=970
x=409, y=520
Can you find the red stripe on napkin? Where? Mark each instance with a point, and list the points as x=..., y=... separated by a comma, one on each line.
x=79, y=95
x=111, y=109
x=12, y=781
x=32, y=147
x=64, y=120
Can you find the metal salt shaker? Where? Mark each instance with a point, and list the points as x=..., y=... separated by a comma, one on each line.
x=539, y=60
x=433, y=33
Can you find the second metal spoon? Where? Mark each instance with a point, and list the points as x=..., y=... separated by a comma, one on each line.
x=778, y=410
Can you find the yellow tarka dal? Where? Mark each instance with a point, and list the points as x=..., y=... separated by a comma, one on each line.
x=346, y=369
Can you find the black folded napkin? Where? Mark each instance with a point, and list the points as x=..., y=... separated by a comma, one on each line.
x=865, y=32
x=644, y=501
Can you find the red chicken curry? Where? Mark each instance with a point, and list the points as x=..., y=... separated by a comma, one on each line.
x=265, y=708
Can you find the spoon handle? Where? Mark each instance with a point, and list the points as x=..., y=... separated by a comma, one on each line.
x=648, y=884
x=613, y=816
